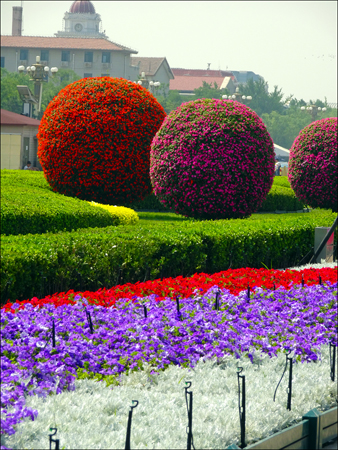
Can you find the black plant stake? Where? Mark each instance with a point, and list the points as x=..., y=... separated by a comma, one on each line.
x=302, y=281
x=241, y=408
x=127, y=446
x=178, y=306
x=274, y=286
x=190, y=439
x=332, y=361
x=90, y=322
x=145, y=311
x=53, y=333
x=217, y=300
x=320, y=279
x=248, y=292
x=288, y=406
x=57, y=441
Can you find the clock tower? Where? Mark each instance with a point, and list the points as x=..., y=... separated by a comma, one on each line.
x=82, y=21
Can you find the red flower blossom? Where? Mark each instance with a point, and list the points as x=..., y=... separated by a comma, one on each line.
x=94, y=140
x=235, y=280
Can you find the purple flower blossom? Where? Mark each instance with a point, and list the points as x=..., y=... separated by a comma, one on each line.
x=299, y=319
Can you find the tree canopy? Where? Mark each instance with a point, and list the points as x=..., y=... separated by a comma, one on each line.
x=262, y=100
x=10, y=99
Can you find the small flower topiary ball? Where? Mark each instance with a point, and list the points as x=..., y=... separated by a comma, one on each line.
x=313, y=164
x=212, y=159
x=94, y=140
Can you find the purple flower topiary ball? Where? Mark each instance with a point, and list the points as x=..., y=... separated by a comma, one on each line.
x=313, y=164
x=212, y=159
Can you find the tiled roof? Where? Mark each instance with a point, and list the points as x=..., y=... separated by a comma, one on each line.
x=186, y=83
x=61, y=43
x=10, y=118
x=201, y=73
x=149, y=65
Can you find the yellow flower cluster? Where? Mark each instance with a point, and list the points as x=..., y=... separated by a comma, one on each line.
x=121, y=214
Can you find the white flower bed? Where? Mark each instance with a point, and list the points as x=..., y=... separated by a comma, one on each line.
x=95, y=417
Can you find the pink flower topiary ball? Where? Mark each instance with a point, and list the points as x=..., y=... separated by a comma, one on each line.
x=313, y=164
x=212, y=159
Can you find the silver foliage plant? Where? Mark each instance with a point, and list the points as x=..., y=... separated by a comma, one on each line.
x=95, y=416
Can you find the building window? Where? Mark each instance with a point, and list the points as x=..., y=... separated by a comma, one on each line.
x=65, y=56
x=88, y=57
x=87, y=75
x=23, y=55
x=106, y=57
x=44, y=55
x=2, y=61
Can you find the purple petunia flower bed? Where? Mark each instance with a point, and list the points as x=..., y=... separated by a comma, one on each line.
x=126, y=336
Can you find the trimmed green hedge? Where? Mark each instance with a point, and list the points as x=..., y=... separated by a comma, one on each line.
x=92, y=258
x=281, y=181
x=28, y=205
x=24, y=178
x=281, y=197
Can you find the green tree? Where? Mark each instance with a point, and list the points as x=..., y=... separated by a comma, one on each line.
x=173, y=99
x=10, y=99
x=262, y=101
x=207, y=91
x=49, y=90
x=284, y=128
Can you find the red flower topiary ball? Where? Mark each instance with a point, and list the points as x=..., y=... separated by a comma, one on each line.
x=313, y=164
x=94, y=140
x=212, y=159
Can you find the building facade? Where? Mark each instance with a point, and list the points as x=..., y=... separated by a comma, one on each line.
x=80, y=46
x=82, y=21
x=154, y=69
x=186, y=80
x=243, y=76
x=19, y=143
x=88, y=57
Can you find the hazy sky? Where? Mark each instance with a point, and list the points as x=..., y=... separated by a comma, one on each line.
x=291, y=44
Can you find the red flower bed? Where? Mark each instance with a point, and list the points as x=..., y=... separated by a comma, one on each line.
x=235, y=280
x=94, y=140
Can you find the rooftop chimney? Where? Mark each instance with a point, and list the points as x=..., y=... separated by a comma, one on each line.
x=17, y=21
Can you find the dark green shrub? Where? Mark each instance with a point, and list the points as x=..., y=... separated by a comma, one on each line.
x=91, y=258
x=281, y=181
x=282, y=199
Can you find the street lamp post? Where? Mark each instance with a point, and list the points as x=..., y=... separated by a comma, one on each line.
x=313, y=110
x=237, y=96
x=36, y=72
x=152, y=86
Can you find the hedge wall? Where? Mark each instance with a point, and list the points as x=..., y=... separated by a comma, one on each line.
x=281, y=197
x=38, y=265
x=28, y=205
